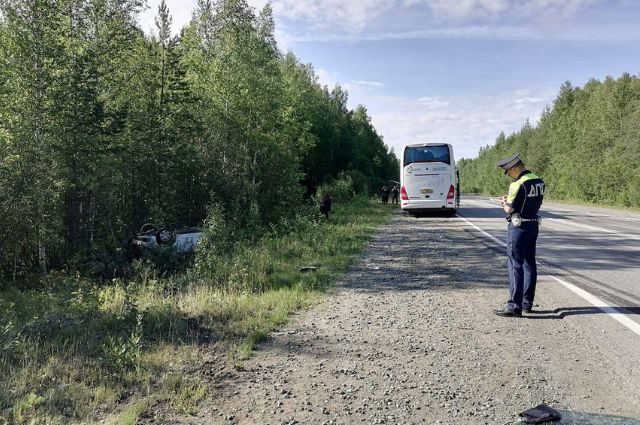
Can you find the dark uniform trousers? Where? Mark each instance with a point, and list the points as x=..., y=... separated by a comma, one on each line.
x=523, y=271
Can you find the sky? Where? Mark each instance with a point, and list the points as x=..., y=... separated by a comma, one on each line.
x=451, y=71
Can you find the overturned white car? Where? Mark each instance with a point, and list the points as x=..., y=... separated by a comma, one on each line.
x=181, y=240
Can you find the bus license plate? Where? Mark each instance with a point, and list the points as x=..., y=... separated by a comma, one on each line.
x=426, y=191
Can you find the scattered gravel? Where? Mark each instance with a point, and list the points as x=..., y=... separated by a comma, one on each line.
x=408, y=336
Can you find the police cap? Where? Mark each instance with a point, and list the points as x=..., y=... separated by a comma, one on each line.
x=510, y=162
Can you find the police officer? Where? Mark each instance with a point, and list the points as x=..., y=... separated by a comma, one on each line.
x=522, y=205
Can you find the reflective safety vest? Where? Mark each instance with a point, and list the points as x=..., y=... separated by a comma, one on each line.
x=525, y=195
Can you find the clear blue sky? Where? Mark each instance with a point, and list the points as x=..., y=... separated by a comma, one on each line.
x=449, y=71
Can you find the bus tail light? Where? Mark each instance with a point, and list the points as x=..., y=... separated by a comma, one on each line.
x=451, y=193
x=403, y=194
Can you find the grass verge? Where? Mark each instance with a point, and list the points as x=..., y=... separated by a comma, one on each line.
x=73, y=350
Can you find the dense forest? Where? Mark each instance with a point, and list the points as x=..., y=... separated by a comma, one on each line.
x=586, y=146
x=104, y=128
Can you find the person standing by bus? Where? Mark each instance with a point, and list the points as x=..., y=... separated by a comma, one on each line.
x=384, y=192
x=394, y=194
x=522, y=204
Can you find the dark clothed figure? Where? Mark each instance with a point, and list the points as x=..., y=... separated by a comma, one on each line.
x=325, y=206
x=525, y=197
x=394, y=194
x=385, y=194
x=522, y=204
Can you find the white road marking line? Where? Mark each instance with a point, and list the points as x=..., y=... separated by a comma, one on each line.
x=569, y=222
x=489, y=235
x=599, y=229
x=592, y=299
x=477, y=201
x=601, y=305
x=586, y=226
x=594, y=214
x=590, y=214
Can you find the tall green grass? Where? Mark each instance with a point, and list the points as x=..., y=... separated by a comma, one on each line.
x=73, y=350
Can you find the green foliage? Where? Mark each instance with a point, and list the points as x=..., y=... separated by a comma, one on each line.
x=185, y=394
x=130, y=415
x=88, y=348
x=123, y=354
x=585, y=147
x=12, y=344
x=23, y=406
x=221, y=236
x=103, y=129
x=341, y=189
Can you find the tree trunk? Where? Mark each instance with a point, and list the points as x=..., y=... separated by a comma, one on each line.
x=42, y=252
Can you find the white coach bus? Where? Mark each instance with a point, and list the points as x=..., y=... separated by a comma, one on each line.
x=429, y=179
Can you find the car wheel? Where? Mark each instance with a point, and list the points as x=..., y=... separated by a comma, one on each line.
x=164, y=236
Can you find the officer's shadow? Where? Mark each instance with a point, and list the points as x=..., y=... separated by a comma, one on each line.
x=561, y=313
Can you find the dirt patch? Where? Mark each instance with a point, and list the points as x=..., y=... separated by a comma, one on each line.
x=408, y=336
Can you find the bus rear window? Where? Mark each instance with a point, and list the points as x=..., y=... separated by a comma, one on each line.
x=438, y=153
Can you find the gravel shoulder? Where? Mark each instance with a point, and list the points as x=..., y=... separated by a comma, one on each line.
x=408, y=336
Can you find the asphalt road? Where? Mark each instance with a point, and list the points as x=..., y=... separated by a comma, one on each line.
x=594, y=249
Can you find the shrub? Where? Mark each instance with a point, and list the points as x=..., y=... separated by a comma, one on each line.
x=360, y=182
x=122, y=354
x=340, y=189
x=27, y=403
x=220, y=238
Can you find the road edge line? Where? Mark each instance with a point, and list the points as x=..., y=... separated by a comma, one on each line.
x=489, y=235
x=601, y=305
x=592, y=299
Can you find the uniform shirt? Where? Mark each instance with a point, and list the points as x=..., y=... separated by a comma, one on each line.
x=525, y=194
